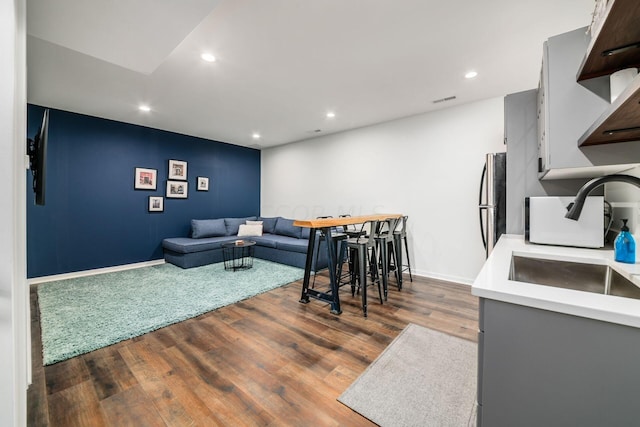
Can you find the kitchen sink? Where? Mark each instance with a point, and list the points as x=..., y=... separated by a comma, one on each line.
x=596, y=278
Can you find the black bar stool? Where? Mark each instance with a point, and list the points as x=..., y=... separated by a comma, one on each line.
x=400, y=239
x=385, y=245
x=351, y=230
x=362, y=253
x=345, y=255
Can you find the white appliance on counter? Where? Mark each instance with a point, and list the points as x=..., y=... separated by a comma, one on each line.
x=545, y=222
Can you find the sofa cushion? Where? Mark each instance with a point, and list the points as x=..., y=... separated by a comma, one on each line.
x=269, y=224
x=185, y=245
x=201, y=228
x=266, y=240
x=285, y=227
x=233, y=224
x=250, y=230
x=291, y=244
x=306, y=233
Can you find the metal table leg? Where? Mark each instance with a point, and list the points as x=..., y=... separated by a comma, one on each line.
x=304, y=298
x=333, y=265
x=397, y=242
x=333, y=297
x=385, y=266
x=362, y=266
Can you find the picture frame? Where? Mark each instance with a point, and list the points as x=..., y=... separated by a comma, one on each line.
x=177, y=189
x=145, y=179
x=156, y=204
x=202, y=183
x=177, y=169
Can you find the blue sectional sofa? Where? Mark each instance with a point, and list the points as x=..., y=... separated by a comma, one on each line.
x=280, y=242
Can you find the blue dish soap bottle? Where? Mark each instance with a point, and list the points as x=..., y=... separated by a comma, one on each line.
x=625, y=245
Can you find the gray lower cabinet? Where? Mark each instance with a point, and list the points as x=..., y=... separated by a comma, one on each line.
x=542, y=368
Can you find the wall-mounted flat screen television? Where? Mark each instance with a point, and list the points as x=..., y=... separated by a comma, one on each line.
x=37, y=151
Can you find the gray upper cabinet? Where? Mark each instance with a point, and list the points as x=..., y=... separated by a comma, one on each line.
x=566, y=109
x=522, y=159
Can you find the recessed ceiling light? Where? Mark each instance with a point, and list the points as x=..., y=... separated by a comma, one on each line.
x=470, y=75
x=144, y=107
x=208, y=57
x=255, y=135
x=331, y=115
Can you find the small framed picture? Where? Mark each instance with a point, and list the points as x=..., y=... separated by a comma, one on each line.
x=177, y=169
x=156, y=204
x=145, y=179
x=203, y=183
x=177, y=189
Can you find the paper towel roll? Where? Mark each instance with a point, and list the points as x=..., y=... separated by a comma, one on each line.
x=620, y=80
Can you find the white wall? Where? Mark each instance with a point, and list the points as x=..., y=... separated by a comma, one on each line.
x=625, y=200
x=426, y=166
x=14, y=317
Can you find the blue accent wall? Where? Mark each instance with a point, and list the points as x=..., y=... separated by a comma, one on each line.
x=93, y=217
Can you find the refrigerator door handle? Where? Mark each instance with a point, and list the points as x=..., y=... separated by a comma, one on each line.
x=482, y=206
x=491, y=201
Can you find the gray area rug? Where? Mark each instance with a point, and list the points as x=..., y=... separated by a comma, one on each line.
x=423, y=378
x=83, y=314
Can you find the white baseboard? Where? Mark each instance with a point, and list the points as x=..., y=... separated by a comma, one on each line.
x=445, y=277
x=75, y=274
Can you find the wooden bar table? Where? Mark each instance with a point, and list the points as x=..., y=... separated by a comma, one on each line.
x=326, y=224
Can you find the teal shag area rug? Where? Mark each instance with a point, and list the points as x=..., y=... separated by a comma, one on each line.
x=87, y=313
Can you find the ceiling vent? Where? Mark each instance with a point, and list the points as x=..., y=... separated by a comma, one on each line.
x=448, y=98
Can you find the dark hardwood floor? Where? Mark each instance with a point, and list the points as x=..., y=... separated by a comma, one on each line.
x=267, y=361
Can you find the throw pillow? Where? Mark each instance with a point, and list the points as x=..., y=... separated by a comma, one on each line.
x=269, y=224
x=201, y=228
x=285, y=227
x=234, y=223
x=254, y=222
x=250, y=230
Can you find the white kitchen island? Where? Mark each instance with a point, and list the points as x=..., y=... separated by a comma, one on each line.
x=550, y=356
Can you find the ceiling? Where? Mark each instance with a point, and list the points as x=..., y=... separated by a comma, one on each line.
x=282, y=65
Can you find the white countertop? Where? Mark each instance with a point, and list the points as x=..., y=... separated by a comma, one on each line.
x=493, y=282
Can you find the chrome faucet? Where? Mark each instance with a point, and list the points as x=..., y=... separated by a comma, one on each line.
x=575, y=208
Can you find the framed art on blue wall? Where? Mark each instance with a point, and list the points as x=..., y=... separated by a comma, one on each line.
x=145, y=179
x=177, y=189
x=156, y=204
x=177, y=169
x=203, y=183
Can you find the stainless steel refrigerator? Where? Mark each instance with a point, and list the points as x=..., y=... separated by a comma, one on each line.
x=492, y=201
